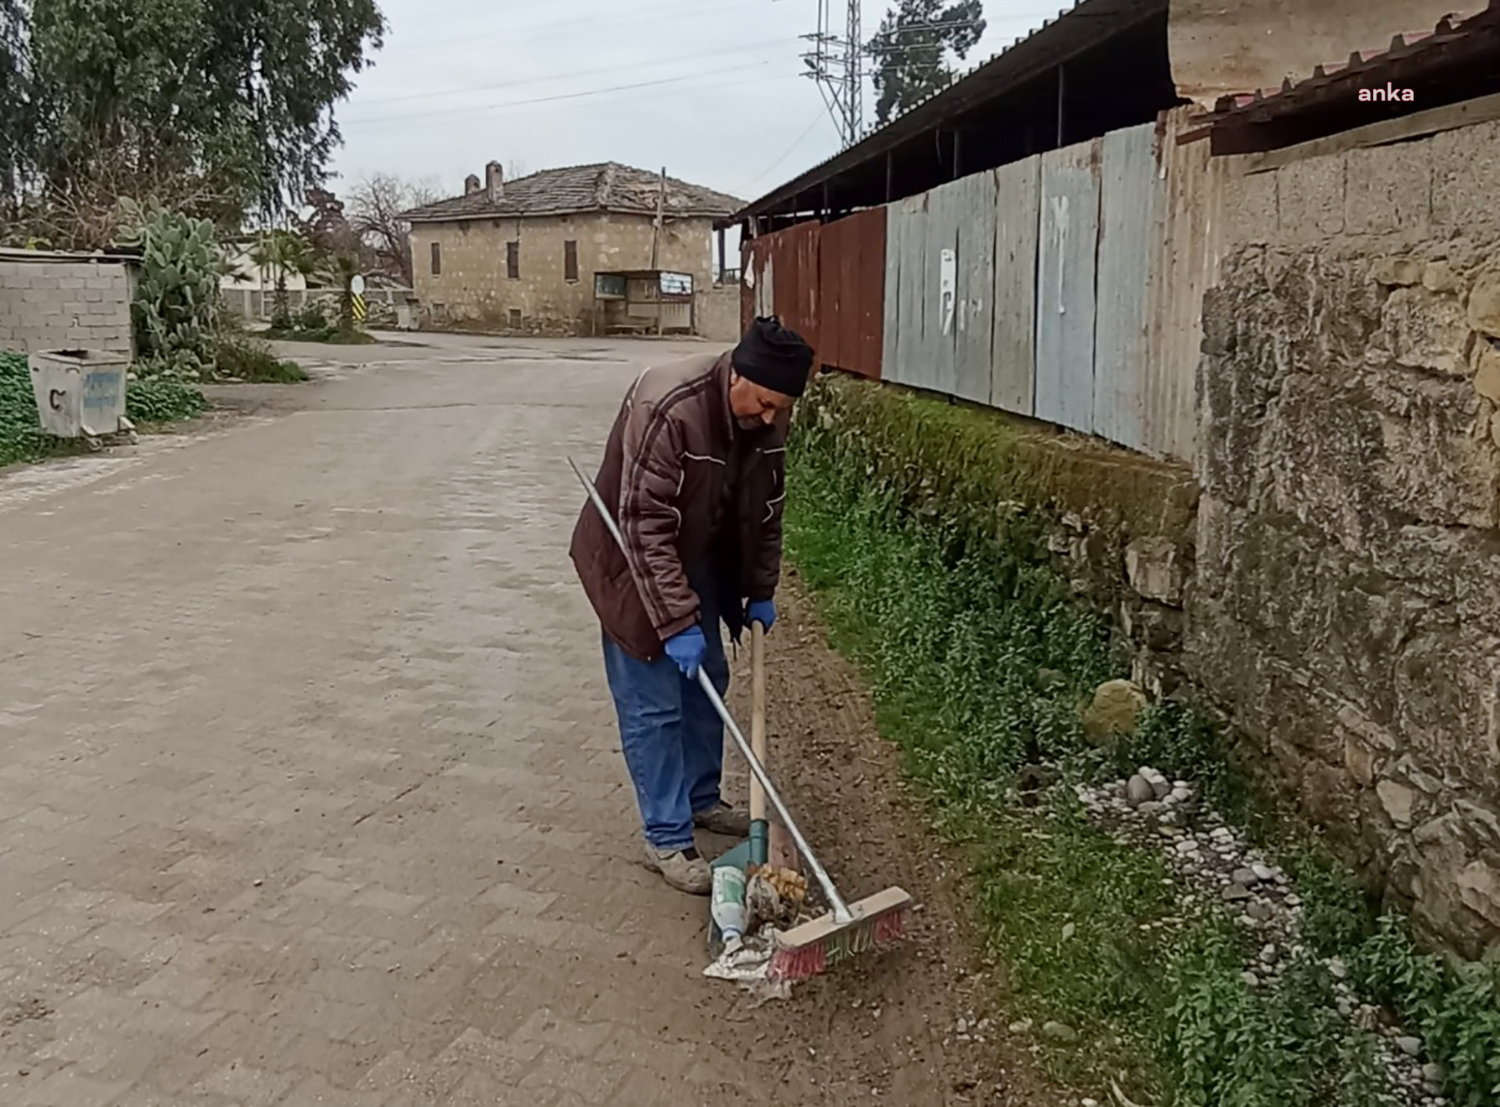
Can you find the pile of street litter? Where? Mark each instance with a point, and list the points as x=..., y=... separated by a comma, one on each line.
x=775, y=899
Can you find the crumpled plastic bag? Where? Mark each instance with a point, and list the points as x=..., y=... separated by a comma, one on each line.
x=745, y=962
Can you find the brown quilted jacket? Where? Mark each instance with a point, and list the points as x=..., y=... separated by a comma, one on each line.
x=690, y=490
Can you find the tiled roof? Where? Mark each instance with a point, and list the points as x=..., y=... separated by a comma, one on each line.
x=581, y=188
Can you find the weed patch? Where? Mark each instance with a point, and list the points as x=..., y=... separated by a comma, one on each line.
x=163, y=402
x=21, y=436
x=333, y=336
x=930, y=565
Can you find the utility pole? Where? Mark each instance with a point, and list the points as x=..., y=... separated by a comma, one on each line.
x=837, y=65
x=661, y=206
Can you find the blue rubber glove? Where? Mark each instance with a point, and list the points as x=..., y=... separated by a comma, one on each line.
x=687, y=649
x=762, y=612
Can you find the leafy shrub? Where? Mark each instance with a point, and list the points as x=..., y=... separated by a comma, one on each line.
x=311, y=318
x=333, y=336
x=242, y=358
x=1456, y=1009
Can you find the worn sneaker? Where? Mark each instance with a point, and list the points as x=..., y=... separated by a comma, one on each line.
x=724, y=820
x=684, y=869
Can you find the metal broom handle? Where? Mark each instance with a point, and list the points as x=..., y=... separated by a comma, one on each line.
x=841, y=913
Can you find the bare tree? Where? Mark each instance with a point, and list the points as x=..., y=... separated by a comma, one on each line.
x=83, y=212
x=376, y=208
x=327, y=228
x=515, y=169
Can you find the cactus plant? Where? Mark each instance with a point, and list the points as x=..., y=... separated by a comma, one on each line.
x=176, y=303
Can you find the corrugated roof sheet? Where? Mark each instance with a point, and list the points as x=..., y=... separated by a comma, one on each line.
x=608, y=186
x=1013, y=62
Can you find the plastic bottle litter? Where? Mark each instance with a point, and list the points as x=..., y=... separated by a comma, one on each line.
x=727, y=904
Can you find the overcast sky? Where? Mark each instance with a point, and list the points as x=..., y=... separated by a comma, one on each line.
x=715, y=97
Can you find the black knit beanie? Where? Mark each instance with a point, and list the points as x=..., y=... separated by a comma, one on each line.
x=774, y=357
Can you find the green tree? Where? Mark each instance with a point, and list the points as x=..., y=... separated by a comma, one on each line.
x=911, y=51
x=16, y=129
x=238, y=95
x=285, y=254
x=281, y=66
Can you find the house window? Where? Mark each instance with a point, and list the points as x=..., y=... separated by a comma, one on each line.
x=515, y=319
x=513, y=260
x=570, y=261
x=437, y=258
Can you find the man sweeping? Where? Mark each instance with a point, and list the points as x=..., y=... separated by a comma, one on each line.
x=694, y=474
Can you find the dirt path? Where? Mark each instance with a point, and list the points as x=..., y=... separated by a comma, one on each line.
x=886, y=1024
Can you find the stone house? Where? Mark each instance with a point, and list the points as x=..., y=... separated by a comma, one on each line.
x=521, y=255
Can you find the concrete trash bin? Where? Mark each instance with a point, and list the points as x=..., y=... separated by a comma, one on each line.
x=81, y=393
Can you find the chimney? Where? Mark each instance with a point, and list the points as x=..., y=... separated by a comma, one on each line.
x=471, y=184
x=494, y=177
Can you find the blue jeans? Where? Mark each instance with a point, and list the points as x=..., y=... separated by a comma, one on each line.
x=671, y=735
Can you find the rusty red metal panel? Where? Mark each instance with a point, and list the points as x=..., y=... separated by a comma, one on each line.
x=756, y=280
x=852, y=293
x=827, y=282
x=794, y=263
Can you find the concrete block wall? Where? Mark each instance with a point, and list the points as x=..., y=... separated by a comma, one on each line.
x=719, y=313
x=60, y=303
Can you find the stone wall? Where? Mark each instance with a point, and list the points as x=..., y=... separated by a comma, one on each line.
x=1345, y=607
x=62, y=302
x=473, y=286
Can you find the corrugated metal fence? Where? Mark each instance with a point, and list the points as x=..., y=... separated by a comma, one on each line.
x=1066, y=287
x=781, y=277
x=851, y=293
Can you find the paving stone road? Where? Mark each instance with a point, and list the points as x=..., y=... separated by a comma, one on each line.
x=308, y=782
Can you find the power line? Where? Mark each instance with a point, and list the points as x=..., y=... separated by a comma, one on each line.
x=697, y=55
x=658, y=14
x=490, y=108
x=788, y=153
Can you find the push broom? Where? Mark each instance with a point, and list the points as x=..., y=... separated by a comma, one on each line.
x=846, y=930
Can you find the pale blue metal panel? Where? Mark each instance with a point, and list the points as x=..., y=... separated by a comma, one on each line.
x=895, y=237
x=1066, y=274
x=1130, y=227
x=940, y=305
x=974, y=232
x=1013, y=356
x=913, y=366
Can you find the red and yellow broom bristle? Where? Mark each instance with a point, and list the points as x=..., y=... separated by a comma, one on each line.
x=814, y=947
